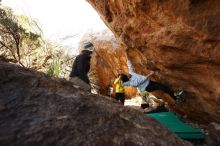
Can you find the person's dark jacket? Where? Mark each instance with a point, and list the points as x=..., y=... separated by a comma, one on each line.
x=81, y=66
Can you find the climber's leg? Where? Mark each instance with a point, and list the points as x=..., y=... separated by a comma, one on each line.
x=158, y=86
x=120, y=97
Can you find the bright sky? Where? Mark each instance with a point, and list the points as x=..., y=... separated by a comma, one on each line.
x=60, y=18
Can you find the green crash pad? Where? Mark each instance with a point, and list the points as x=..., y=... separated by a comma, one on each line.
x=182, y=130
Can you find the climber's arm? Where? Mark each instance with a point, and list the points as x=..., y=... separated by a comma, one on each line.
x=116, y=81
x=130, y=67
x=151, y=73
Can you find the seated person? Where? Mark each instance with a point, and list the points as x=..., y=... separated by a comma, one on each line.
x=151, y=103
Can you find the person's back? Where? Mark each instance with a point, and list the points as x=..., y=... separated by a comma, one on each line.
x=136, y=80
x=139, y=81
x=81, y=66
x=119, y=87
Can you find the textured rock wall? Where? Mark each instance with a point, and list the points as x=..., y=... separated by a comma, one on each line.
x=109, y=59
x=37, y=110
x=177, y=38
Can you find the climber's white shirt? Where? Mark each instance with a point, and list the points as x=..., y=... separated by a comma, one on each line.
x=136, y=80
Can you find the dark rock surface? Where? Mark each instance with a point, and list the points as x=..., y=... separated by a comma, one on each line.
x=42, y=111
x=212, y=138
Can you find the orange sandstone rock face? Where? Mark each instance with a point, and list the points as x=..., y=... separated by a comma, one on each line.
x=108, y=61
x=177, y=38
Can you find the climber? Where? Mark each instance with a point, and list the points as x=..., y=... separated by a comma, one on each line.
x=144, y=84
x=81, y=67
x=119, y=90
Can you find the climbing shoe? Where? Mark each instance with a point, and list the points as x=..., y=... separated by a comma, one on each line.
x=179, y=97
x=179, y=93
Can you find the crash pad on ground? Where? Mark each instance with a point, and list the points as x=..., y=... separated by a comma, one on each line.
x=182, y=130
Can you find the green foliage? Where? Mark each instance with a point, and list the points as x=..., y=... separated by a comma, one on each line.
x=65, y=59
x=93, y=81
x=61, y=63
x=9, y=33
x=17, y=41
x=21, y=42
x=54, y=68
